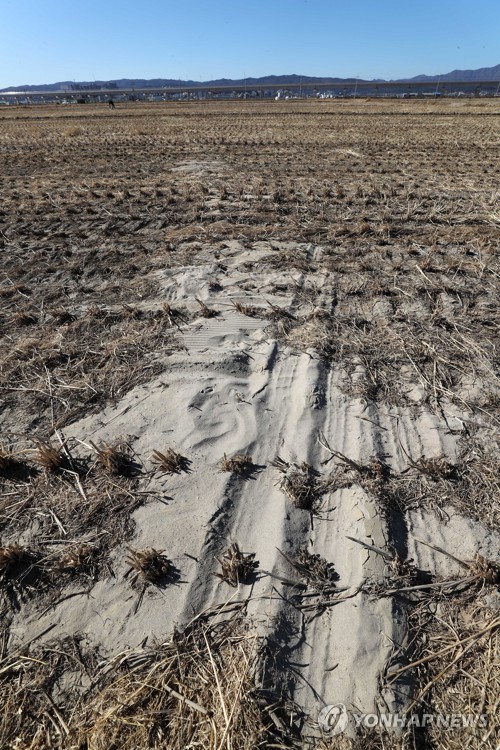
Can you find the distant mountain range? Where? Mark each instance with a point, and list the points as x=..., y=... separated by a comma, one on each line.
x=481, y=74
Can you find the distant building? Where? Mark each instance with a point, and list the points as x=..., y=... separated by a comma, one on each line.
x=93, y=86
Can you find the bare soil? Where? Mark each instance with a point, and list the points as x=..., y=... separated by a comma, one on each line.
x=311, y=287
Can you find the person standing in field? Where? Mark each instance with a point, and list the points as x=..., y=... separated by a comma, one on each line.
x=111, y=104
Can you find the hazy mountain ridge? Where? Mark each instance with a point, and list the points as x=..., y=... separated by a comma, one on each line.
x=481, y=74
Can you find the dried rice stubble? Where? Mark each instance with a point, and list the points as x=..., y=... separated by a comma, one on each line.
x=199, y=692
x=170, y=462
x=372, y=475
x=75, y=505
x=236, y=567
x=116, y=459
x=79, y=559
x=207, y=312
x=455, y=667
x=320, y=590
x=237, y=464
x=302, y=483
x=21, y=573
x=149, y=564
x=41, y=688
x=13, y=465
x=53, y=460
x=10, y=558
x=318, y=573
x=249, y=310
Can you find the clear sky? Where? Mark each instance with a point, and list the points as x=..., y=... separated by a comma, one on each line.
x=44, y=41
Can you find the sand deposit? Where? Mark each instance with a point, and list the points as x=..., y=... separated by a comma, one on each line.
x=281, y=377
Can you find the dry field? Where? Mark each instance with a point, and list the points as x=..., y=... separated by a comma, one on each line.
x=249, y=424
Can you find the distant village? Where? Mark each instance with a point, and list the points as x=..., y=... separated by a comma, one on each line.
x=89, y=93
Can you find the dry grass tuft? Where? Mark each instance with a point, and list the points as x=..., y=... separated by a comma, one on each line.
x=248, y=310
x=150, y=564
x=301, y=484
x=114, y=459
x=486, y=571
x=10, y=557
x=53, y=460
x=315, y=570
x=172, y=314
x=371, y=475
x=436, y=468
x=10, y=465
x=23, y=318
x=169, y=310
x=238, y=464
x=197, y=690
x=19, y=572
x=77, y=559
x=62, y=316
x=319, y=591
x=170, y=462
x=236, y=566
x=206, y=312
x=402, y=570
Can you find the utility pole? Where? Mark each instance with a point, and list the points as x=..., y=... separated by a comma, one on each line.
x=356, y=87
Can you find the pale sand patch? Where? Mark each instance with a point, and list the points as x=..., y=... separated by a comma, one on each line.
x=235, y=390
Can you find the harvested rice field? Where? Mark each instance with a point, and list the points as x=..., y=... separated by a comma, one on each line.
x=249, y=425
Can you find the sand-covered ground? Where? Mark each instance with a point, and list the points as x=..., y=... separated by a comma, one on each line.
x=242, y=344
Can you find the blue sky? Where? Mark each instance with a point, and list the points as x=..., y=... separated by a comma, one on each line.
x=44, y=41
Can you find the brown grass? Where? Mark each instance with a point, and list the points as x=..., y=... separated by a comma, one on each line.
x=78, y=558
x=238, y=464
x=170, y=461
x=206, y=312
x=250, y=310
x=236, y=567
x=402, y=205
x=114, y=458
x=195, y=690
x=151, y=564
x=10, y=557
x=11, y=465
x=301, y=484
x=316, y=571
x=53, y=460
